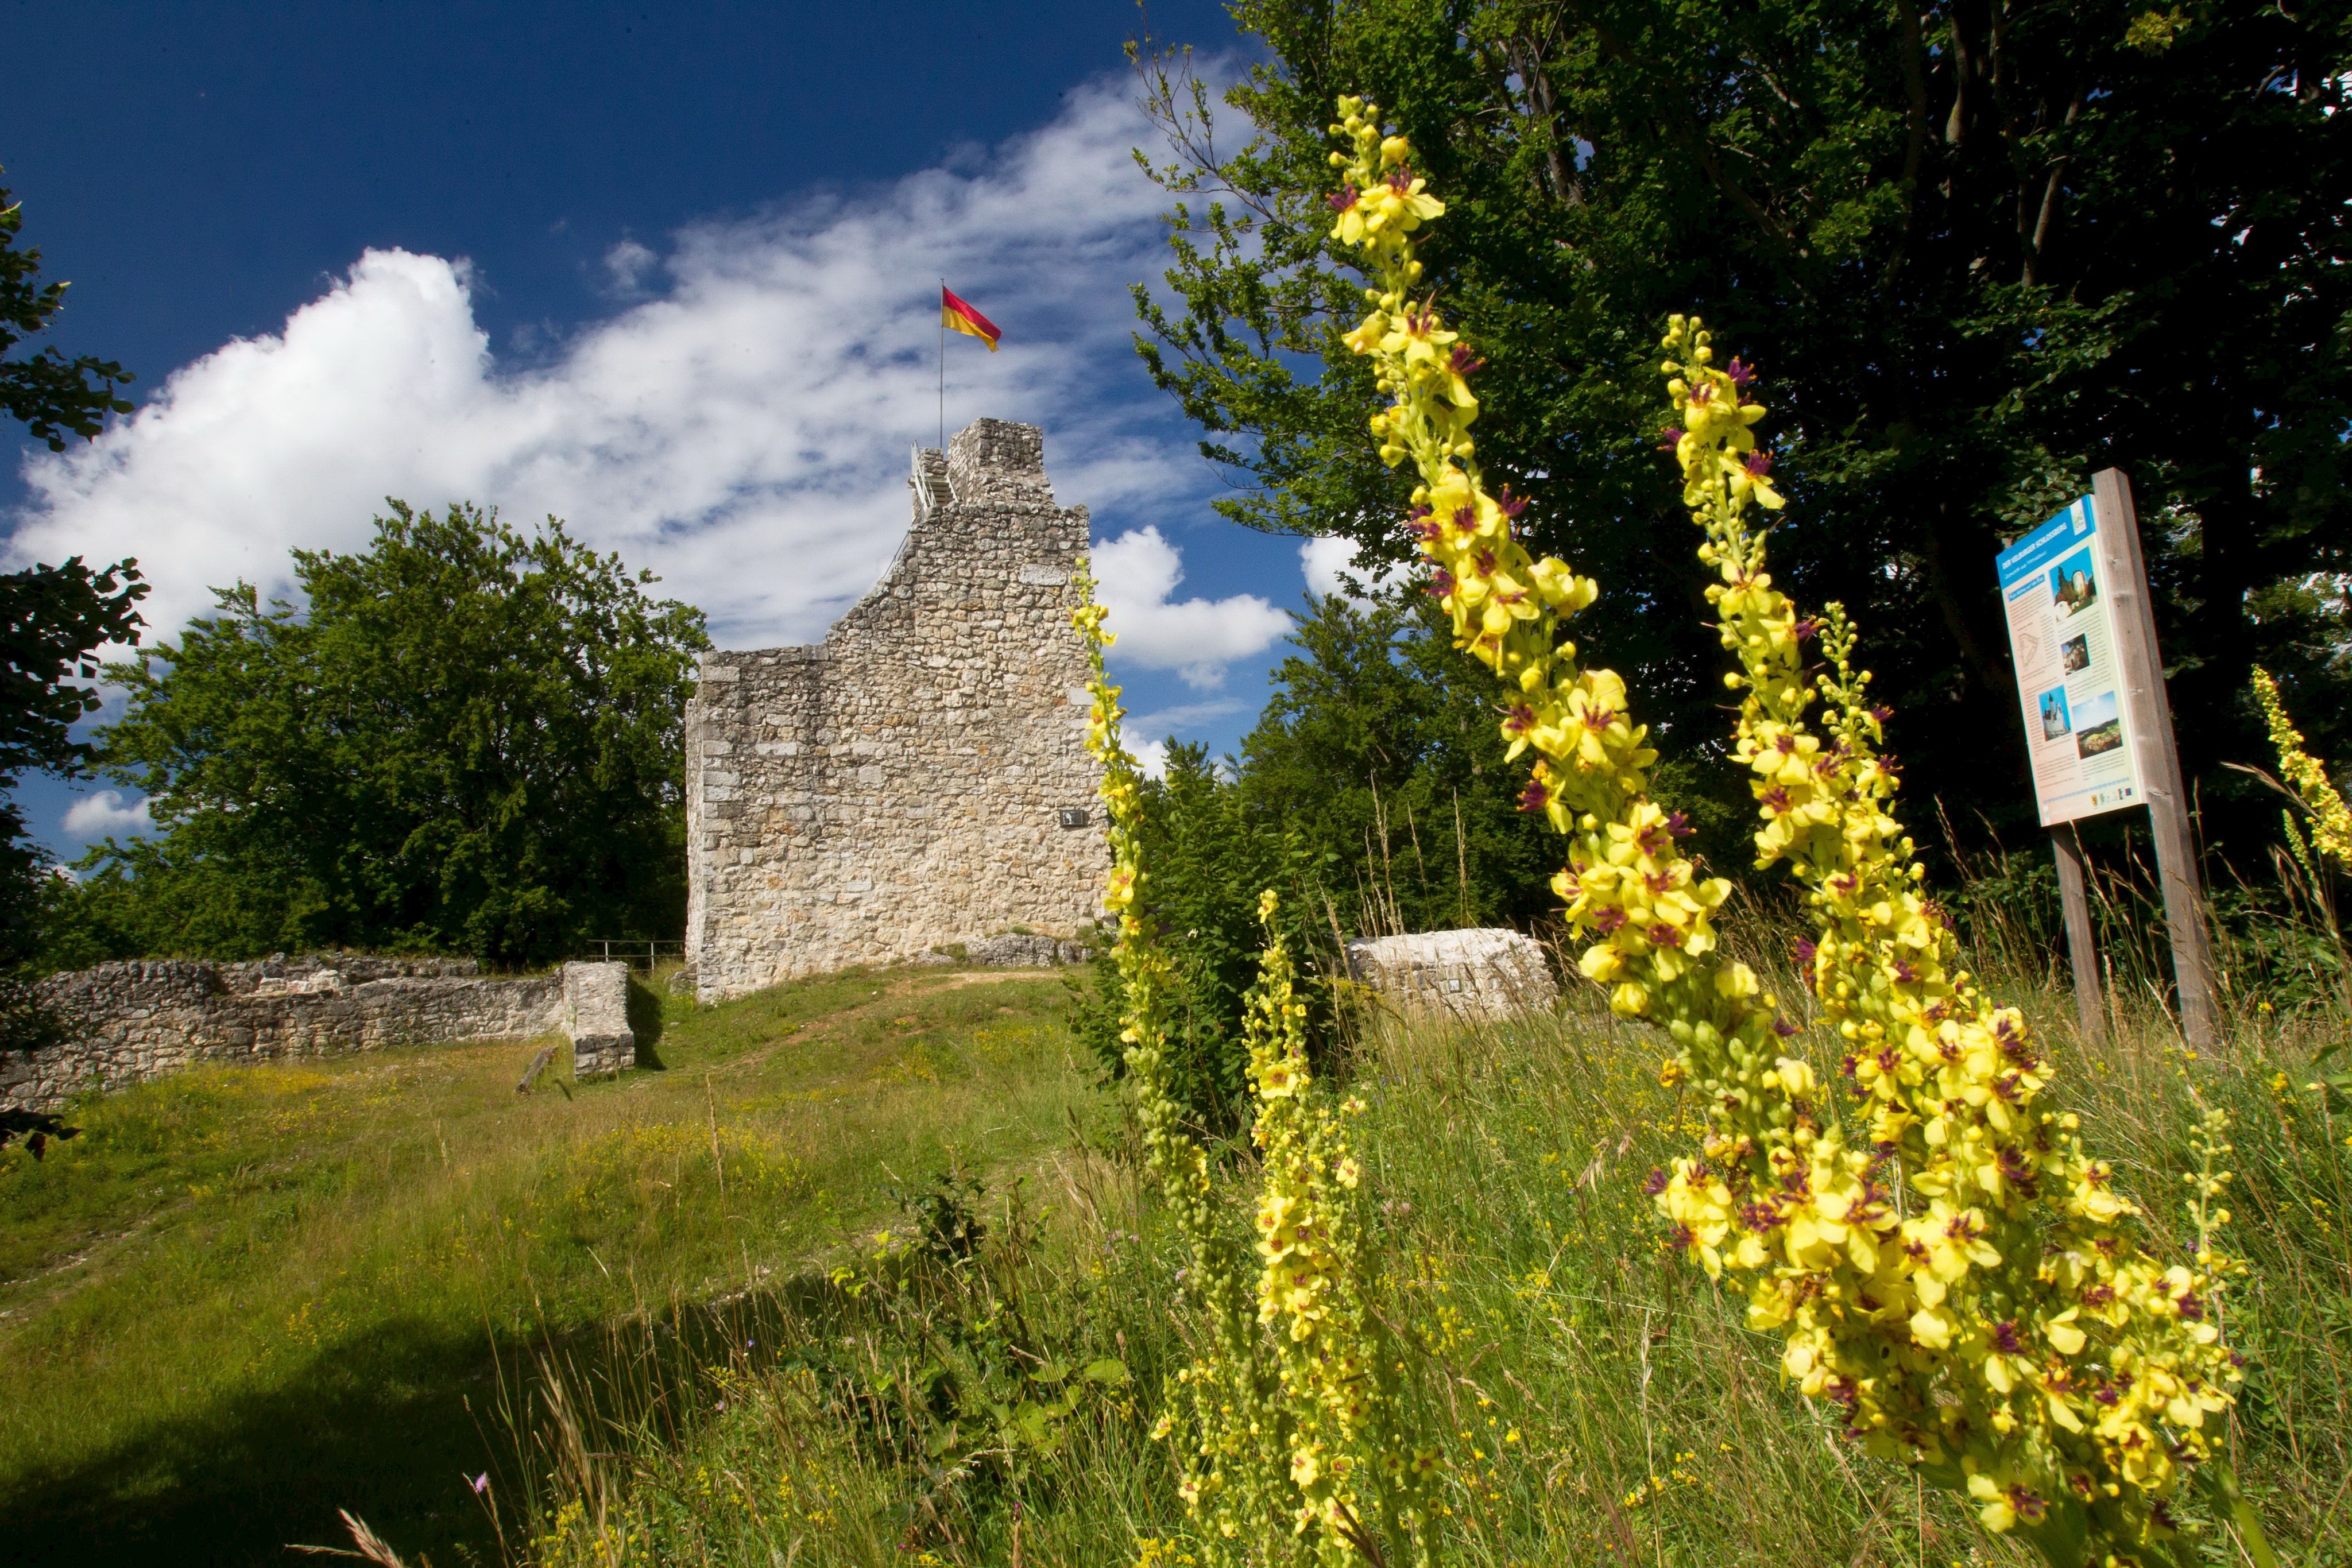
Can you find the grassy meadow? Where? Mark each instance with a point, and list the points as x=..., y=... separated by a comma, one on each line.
x=726, y=1312
x=244, y=1297
x=991, y=1402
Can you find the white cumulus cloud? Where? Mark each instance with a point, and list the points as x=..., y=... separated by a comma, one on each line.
x=1329, y=567
x=1197, y=638
x=103, y=815
x=742, y=429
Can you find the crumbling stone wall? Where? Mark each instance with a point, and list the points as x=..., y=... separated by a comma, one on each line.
x=920, y=779
x=127, y=1023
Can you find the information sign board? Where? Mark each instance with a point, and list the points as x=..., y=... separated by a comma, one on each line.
x=2080, y=718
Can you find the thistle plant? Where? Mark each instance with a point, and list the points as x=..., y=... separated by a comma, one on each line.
x=1955, y=1275
x=1290, y=1439
x=2331, y=820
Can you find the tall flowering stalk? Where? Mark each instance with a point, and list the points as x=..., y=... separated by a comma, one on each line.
x=1954, y=1272
x=1292, y=1443
x=1236, y=1461
x=1359, y=1482
x=1956, y=1280
x=1634, y=899
x=2331, y=820
x=1629, y=886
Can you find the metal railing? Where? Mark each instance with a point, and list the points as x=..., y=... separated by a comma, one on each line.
x=637, y=951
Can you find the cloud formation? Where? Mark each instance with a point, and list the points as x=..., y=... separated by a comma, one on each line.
x=743, y=429
x=1329, y=567
x=103, y=816
x=1197, y=638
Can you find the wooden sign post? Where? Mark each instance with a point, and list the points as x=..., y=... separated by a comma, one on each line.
x=2098, y=727
x=2082, y=946
x=2159, y=758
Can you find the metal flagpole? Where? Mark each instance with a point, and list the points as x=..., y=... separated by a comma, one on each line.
x=943, y=364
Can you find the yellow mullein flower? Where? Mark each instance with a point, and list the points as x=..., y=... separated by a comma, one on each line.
x=1233, y=1469
x=1950, y=1337
x=2331, y=820
x=1316, y=1289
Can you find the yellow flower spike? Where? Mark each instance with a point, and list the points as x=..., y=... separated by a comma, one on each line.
x=1318, y=1284
x=2331, y=820
x=1892, y=1322
x=2012, y=1250
x=1234, y=1468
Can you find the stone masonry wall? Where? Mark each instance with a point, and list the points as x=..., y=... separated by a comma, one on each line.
x=127, y=1023
x=920, y=777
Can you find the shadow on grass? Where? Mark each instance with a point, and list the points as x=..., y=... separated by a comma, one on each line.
x=648, y=1019
x=390, y=1425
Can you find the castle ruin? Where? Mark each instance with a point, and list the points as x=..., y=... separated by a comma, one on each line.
x=919, y=780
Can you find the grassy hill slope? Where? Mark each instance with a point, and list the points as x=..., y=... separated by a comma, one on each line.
x=1592, y=1400
x=688, y=1318
x=242, y=1298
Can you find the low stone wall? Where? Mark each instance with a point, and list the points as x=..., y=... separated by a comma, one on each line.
x=127, y=1022
x=1470, y=974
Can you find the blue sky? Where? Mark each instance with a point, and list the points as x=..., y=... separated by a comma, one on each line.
x=667, y=273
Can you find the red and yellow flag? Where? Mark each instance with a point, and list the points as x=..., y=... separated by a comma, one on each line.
x=958, y=317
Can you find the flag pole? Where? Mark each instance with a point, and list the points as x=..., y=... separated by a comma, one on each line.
x=943, y=364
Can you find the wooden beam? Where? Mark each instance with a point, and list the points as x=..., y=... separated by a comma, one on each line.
x=2140, y=667
x=2082, y=946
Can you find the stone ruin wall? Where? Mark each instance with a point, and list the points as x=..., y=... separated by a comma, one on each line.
x=127, y=1022
x=920, y=779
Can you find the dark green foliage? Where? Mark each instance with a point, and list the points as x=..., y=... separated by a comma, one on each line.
x=52, y=618
x=1210, y=849
x=1979, y=250
x=1379, y=752
x=52, y=395
x=948, y=1228
x=469, y=742
x=1380, y=749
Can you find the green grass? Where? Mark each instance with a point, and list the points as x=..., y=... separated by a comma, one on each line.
x=1595, y=1401
x=245, y=1297
x=312, y=1287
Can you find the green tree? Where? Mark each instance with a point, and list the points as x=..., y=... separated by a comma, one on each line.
x=54, y=396
x=1213, y=848
x=1979, y=247
x=53, y=619
x=468, y=741
x=1380, y=752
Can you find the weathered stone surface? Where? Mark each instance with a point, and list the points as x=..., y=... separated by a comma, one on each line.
x=127, y=1023
x=596, y=1017
x=1480, y=973
x=1015, y=951
x=904, y=785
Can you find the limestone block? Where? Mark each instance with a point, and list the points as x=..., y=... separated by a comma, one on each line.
x=1477, y=974
x=596, y=1017
x=1014, y=951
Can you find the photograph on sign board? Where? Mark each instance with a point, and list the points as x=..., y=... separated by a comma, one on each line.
x=2056, y=721
x=2072, y=586
x=2075, y=652
x=2098, y=729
